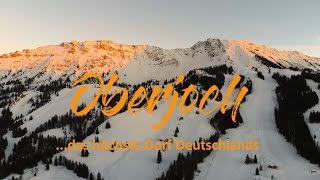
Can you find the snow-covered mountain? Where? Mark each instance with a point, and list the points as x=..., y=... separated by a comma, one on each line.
x=105, y=56
x=35, y=86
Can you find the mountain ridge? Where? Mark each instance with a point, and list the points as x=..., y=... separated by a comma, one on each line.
x=102, y=43
x=138, y=63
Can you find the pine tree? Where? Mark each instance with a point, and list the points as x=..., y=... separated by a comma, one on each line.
x=47, y=166
x=260, y=167
x=86, y=153
x=112, y=148
x=60, y=160
x=2, y=153
x=56, y=161
x=99, y=176
x=108, y=126
x=91, y=176
x=247, y=161
x=97, y=139
x=255, y=159
x=159, y=158
x=82, y=153
x=257, y=171
x=176, y=132
x=97, y=131
x=4, y=169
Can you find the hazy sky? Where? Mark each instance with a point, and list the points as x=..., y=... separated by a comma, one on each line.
x=288, y=24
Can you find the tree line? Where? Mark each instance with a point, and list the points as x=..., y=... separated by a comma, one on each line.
x=295, y=97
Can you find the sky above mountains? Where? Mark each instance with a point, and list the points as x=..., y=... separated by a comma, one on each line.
x=282, y=24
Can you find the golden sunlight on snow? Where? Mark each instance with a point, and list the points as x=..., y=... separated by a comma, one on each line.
x=88, y=55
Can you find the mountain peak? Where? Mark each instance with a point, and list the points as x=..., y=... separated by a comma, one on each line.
x=74, y=47
x=104, y=54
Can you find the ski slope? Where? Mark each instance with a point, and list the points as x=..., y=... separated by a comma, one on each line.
x=259, y=125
